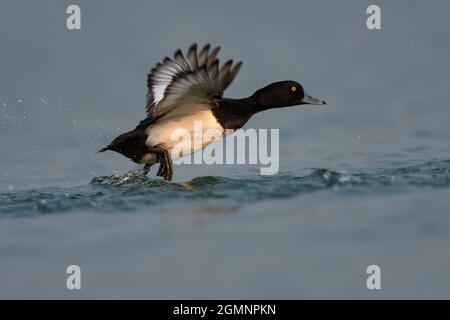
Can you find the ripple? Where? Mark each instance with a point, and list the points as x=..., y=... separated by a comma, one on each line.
x=134, y=191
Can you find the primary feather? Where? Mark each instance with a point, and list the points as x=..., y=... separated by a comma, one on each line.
x=177, y=85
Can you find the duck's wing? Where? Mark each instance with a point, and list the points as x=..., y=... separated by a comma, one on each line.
x=183, y=83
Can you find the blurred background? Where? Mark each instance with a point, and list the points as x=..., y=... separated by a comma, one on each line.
x=364, y=180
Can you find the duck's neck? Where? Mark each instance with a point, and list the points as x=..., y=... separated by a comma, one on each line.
x=252, y=103
x=234, y=113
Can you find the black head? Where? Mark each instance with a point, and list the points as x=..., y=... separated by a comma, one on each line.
x=283, y=94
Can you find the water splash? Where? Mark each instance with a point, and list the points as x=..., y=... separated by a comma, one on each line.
x=134, y=191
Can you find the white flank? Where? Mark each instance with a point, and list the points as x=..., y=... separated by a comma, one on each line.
x=161, y=133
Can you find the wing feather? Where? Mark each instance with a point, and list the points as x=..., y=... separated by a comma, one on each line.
x=192, y=57
x=186, y=81
x=203, y=55
x=212, y=58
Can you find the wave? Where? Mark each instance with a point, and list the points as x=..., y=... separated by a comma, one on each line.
x=134, y=191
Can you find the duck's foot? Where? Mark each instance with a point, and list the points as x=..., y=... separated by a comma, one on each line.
x=166, y=167
x=146, y=169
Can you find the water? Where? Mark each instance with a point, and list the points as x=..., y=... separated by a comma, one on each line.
x=364, y=180
x=135, y=192
x=293, y=235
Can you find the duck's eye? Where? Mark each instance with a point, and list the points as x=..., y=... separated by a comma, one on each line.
x=293, y=88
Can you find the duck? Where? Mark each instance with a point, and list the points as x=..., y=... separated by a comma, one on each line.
x=188, y=88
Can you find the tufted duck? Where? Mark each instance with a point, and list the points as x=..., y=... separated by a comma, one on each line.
x=183, y=90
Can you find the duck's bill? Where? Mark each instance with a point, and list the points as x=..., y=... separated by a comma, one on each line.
x=311, y=100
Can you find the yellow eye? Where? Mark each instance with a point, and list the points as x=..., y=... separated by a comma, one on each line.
x=293, y=88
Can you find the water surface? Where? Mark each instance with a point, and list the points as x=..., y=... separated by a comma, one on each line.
x=364, y=180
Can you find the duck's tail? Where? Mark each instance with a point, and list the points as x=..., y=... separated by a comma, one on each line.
x=103, y=149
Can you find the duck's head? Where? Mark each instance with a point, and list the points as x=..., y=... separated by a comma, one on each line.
x=283, y=94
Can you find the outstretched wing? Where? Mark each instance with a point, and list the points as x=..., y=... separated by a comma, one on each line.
x=184, y=82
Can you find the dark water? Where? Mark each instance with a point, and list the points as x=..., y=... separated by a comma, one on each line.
x=134, y=191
